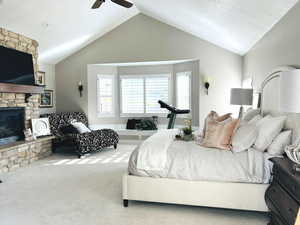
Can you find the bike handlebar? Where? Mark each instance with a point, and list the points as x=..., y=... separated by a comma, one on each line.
x=173, y=109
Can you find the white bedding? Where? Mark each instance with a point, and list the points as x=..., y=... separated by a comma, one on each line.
x=189, y=161
x=153, y=151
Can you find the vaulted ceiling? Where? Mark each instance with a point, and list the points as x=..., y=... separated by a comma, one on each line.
x=65, y=26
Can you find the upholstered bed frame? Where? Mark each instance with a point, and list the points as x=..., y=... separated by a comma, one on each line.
x=242, y=196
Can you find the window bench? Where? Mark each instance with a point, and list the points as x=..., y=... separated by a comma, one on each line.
x=122, y=131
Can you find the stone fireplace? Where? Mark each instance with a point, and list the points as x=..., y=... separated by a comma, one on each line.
x=18, y=100
x=11, y=125
x=21, y=153
x=21, y=43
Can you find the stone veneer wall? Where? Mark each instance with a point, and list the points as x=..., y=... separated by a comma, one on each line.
x=20, y=155
x=21, y=43
x=24, y=153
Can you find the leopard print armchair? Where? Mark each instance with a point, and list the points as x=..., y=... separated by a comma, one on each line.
x=93, y=141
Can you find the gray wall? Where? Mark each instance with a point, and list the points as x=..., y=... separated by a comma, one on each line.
x=145, y=39
x=279, y=47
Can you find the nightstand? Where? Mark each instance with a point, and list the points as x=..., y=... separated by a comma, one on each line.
x=283, y=195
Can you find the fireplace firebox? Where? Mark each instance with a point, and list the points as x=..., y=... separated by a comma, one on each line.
x=12, y=124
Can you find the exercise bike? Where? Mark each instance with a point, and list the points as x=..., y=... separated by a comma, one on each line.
x=173, y=113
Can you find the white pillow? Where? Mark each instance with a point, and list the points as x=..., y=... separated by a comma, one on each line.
x=244, y=137
x=250, y=114
x=280, y=142
x=263, y=120
x=80, y=127
x=255, y=119
x=268, y=128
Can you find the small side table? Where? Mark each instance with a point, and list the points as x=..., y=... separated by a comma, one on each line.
x=282, y=196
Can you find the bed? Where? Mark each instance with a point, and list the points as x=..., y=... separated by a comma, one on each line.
x=241, y=187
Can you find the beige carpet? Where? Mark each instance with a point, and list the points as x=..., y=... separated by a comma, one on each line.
x=64, y=190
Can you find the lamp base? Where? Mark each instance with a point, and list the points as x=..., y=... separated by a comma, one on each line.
x=241, y=112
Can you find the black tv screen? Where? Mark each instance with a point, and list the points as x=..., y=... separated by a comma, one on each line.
x=16, y=67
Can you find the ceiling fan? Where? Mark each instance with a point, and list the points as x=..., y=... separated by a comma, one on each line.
x=123, y=3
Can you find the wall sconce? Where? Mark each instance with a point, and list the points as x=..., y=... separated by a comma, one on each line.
x=207, y=82
x=248, y=83
x=80, y=88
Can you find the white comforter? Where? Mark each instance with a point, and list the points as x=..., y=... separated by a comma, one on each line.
x=189, y=161
x=153, y=151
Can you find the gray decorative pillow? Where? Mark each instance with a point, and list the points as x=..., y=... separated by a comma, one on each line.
x=280, y=142
x=250, y=114
x=244, y=137
x=268, y=128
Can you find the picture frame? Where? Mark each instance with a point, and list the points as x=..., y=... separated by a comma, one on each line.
x=46, y=99
x=41, y=78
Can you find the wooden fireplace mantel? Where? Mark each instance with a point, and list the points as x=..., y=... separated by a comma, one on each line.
x=24, y=89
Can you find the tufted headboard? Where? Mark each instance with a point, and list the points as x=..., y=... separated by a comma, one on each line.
x=270, y=100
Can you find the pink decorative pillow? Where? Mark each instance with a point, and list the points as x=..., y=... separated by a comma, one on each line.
x=213, y=116
x=219, y=134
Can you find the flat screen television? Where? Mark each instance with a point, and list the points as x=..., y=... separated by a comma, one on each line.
x=16, y=67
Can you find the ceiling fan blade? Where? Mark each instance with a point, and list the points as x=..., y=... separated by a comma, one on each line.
x=123, y=3
x=97, y=4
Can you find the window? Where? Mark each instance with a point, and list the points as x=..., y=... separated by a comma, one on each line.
x=183, y=90
x=132, y=95
x=105, y=91
x=140, y=93
x=157, y=88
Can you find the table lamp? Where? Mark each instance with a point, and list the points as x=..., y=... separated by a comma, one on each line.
x=241, y=96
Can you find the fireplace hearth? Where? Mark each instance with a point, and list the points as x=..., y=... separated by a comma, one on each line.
x=12, y=124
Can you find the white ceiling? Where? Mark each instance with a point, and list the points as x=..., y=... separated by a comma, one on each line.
x=72, y=23
x=235, y=25
x=63, y=27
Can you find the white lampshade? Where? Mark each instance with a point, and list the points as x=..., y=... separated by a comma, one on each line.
x=290, y=91
x=241, y=96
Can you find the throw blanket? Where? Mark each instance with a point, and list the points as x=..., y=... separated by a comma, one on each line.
x=153, y=151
